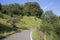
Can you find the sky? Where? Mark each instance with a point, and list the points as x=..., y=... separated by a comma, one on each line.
x=53, y=5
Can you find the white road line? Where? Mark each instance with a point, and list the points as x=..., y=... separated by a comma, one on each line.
x=31, y=35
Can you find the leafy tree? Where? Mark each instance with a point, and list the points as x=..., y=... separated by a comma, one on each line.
x=51, y=25
x=33, y=9
x=29, y=9
x=49, y=14
x=55, y=21
x=0, y=6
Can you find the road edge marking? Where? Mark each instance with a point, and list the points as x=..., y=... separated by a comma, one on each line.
x=31, y=35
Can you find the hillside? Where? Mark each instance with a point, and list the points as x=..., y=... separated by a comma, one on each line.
x=30, y=16
x=29, y=22
x=24, y=23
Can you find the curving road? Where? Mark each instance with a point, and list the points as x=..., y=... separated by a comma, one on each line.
x=24, y=35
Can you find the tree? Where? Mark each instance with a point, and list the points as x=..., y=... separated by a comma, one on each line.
x=33, y=9
x=0, y=6
x=55, y=21
x=39, y=13
x=28, y=9
x=49, y=24
x=46, y=28
x=49, y=14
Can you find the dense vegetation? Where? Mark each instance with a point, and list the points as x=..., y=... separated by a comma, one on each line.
x=30, y=15
x=50, y=25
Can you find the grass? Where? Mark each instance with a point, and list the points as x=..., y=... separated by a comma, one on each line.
x=36, y=35
x=4, y=22
x=29, y=22
x=5, y=34
x=4, y=16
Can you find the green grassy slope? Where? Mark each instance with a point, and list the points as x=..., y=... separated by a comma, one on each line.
x=25, y=23
x=29, y=22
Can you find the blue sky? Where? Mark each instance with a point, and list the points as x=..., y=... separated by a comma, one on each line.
x=53, y=5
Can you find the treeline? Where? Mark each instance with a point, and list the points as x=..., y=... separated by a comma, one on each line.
x=28, y=9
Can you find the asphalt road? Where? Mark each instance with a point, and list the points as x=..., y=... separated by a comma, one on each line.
x=24, y=35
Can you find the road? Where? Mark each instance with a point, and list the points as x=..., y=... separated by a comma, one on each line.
x=24, y=35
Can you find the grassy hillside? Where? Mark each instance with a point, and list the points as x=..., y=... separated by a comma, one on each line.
x=29, y=22
x=24, y=23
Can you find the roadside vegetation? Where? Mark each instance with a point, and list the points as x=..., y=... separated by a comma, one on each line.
x=35, y=34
